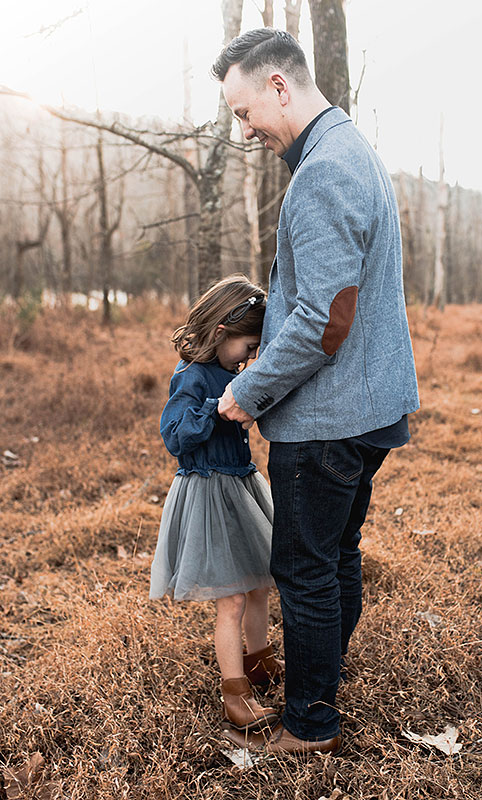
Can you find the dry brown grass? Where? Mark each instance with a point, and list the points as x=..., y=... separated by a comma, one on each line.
x=120, y=695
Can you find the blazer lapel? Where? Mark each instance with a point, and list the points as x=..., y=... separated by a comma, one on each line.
x=331, y=120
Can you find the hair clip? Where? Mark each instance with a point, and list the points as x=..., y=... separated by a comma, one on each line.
x=239, y=312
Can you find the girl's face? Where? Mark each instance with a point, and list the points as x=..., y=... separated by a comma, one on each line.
x=236, y=350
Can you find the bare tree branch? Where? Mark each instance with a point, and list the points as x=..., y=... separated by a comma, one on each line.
x=48, y=30
x=357, y=90
x=118, y=129
x=14, y=93
x=168, y=221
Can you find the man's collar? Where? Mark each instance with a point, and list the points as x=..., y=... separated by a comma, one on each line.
x=293, y=154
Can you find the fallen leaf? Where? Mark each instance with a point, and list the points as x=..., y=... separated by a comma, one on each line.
x=17, y=781
x=121, y=551
x=9, y=454
x=433, y=619
x=10, y=459
x=445, y=742
x=242, y=759
x=423, y=531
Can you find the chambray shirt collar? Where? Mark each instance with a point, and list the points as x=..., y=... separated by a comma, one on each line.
x=293, y=154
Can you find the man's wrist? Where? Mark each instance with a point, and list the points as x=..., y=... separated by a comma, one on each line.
x=242, y=396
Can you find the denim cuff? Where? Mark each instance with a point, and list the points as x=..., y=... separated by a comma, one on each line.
x=210, y=406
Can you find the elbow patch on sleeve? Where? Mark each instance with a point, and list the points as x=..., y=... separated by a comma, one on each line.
x=342, y=314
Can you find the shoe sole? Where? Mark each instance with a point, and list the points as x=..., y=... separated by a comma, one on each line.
x=305, y=752
x=256, y=726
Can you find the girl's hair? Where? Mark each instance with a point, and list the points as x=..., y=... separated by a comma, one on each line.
x=233, y=302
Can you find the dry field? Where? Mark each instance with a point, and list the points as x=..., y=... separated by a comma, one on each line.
x=119, y=695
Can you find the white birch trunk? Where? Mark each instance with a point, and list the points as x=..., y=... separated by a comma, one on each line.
x=442, y=197
x=252, y=214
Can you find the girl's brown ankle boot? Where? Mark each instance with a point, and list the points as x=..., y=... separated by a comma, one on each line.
x=241, y=709
x=262, y=668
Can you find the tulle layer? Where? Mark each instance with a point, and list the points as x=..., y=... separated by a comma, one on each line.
x=215, y=537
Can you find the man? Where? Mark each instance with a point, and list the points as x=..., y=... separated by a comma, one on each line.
x=335, y=377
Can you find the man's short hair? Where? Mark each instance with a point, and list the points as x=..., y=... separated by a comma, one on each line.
x=260, y=48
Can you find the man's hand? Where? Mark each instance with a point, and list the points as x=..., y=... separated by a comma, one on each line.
x=229, y=409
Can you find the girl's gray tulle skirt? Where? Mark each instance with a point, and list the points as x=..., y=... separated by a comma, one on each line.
x=215, y=537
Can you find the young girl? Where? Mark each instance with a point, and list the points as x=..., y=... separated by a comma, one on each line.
x=215, y=535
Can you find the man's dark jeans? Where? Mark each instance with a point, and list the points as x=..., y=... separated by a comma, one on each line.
x=321, y=492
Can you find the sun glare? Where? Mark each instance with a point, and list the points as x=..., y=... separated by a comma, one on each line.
x=129, y=58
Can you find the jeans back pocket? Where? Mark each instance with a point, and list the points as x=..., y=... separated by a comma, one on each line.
x=342, y=458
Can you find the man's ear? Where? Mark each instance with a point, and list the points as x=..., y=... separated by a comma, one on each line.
x=278, y=82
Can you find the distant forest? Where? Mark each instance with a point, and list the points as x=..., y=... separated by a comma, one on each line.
x=82, y=209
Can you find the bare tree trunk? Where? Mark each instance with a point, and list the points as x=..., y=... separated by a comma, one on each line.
x=473, y=277
x=292, y=14
x=106, y=232
x=453, y=278
x=268, y=210
x=21, y=248
x=23, y=245
x=87, y=248
x=457, y=227
x=105, y=250
x=210, y=221
x=191, y=202
x=65, y=220
x=267, y=14
x=252, y=214
x=422, y=235
x=439, y=271
x=65, y=210
x=18, y=276
x=330, y=49
x=275, y=176
x=191, y=232
x=211, y=176
x=407, y=229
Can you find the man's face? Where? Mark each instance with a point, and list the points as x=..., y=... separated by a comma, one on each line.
x=259, y=109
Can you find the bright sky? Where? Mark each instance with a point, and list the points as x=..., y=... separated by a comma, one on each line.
x=423, y=58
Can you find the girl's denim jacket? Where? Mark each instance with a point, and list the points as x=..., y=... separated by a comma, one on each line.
x=192, y=429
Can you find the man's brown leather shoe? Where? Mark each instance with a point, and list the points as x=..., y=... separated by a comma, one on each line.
x=282, y=741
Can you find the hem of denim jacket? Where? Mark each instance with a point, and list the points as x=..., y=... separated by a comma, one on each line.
x=312, y=737
x=239, y=472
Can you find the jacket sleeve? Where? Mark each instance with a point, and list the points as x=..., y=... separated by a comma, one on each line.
x=327, y=213
x=189, y=417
